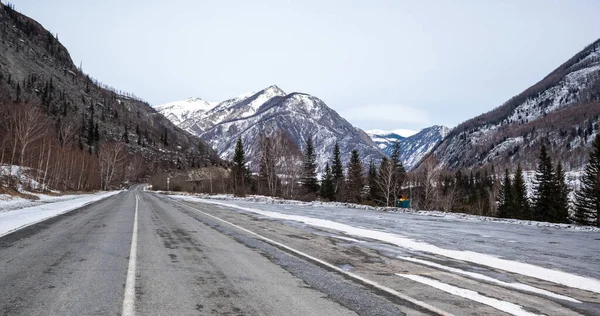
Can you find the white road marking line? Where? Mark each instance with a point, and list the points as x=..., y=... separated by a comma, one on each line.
x=477, y=276
x=330, y=266
x=504, y=306
x=129, y=297
x=526, y=269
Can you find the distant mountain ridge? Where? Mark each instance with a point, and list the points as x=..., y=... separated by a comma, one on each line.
x=181, y=111
x=563, y=110
x=38, y=69
x=412, y=148
x=297, y=115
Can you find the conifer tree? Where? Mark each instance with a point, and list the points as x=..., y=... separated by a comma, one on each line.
x=355, y=182
x=561, y=196
x=138, y=134
x=337, y=171
x=399, y=172
x=522, y=207
x=126, y=134
x=505, y=197
x=239, y=171
x=96, y=133
x=309, y=181
x=91, y=125
x=327, y=189
x=18, y=99
x=372, y=181
x=544, y=208
x=587, y=198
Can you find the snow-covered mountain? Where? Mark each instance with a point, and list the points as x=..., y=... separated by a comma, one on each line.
x=180, y=111
x=563, y=108
x=297, y=115
x=413, y=147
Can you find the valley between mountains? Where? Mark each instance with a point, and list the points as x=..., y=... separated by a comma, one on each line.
x=272, y=203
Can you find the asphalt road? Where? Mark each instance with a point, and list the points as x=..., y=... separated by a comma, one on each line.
x=186, y=263
x=143, y=253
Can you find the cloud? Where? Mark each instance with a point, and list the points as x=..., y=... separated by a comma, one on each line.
x=387, y=114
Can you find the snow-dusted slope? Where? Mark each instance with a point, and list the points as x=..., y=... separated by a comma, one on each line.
x=180, y=111
x=400, y=132
x=413, y=147
x=563, y=108
x=298, y=115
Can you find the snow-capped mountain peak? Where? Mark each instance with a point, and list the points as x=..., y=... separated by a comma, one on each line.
x=413, y=147
x=297, y=115
x=561, y=110
x=179, y=111
x=400, y=132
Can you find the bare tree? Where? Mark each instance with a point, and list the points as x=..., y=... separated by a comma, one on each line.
x=135, y=168
x=29, y=125
x=268, y=171
x=111, y=157
x=449, y=199
x=427, y=181
x=385, y=180
x=66, y=133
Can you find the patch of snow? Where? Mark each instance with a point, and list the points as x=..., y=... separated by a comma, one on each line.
x=346, y=238
x=473, y=275
x=558, y=277
x=504, y=306
x=180, y=111
x=446, y=215
x=14, y=220
x=9, y=203
x=400, y=132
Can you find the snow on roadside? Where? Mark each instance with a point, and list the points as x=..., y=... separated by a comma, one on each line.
x=473, y=275
x=555, y=276
x=504, y=306
x=23, y=174
x=11, y=221
x=459, y=216
x=10, y=203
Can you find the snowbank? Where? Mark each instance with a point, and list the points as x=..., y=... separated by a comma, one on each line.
x=534, y=271
x=10, y=203
x=11, y=221
x=458, y=216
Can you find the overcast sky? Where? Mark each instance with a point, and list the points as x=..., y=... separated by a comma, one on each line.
x=380, y=64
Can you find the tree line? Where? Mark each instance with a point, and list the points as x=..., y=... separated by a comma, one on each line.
x=478, y=191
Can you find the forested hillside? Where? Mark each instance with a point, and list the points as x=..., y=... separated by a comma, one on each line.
x=271, y=113
x=75, y=132
x=563, y=108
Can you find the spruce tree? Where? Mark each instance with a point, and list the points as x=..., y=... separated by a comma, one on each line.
x=337, y=170
x=587, y=198
x=372, y=181
x=384, y=183
x=544, y=208
x=522, y=207
x=166, y=138
x=91, y=125
x=126, y=134
x=355, y=182
x=18, y=99
x=561, y=196
x=309, y=181
x=505, y=197
x=96, y=133
x=239, y=169
x=399, y=172
x=327, y=189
